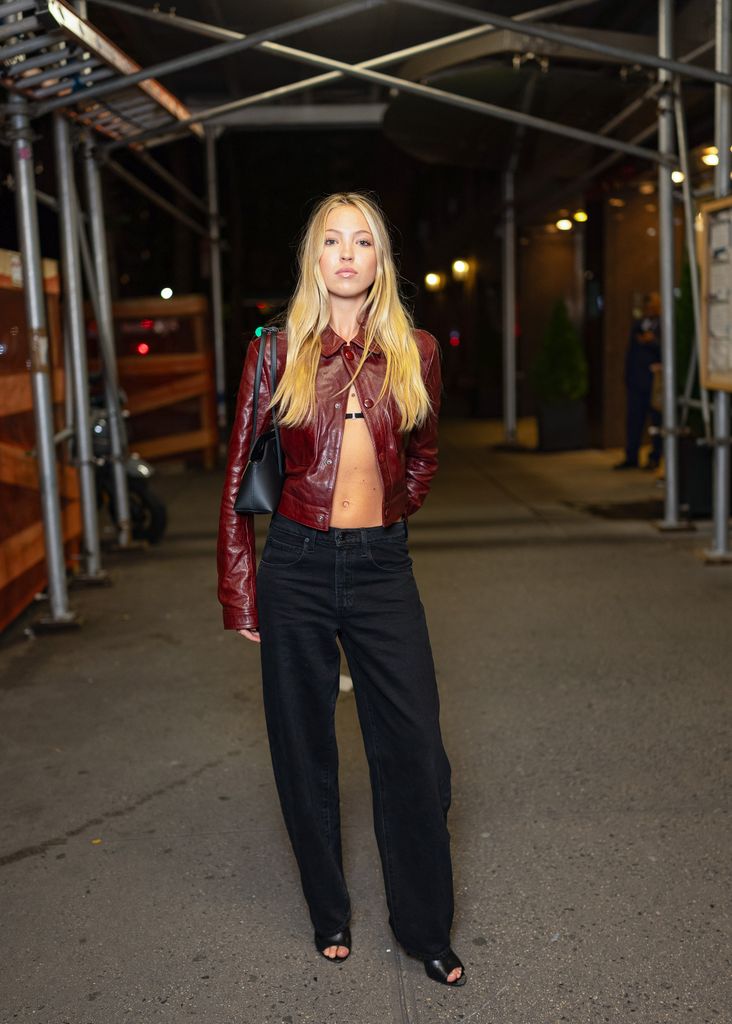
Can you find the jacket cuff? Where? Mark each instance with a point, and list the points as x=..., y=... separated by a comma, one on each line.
x=235, y=618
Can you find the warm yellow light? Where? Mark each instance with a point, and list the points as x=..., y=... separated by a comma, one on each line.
x=677, y=177
x=433, y=281
x=710, y=156
x=581, y=216
x=460, y=269
x=564, y=224
x=616, y=201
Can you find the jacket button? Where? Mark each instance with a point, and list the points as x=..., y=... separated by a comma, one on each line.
x=368, y=402
x=321, y=516
x=338, y=405
x=329, y=462
x=348, y=353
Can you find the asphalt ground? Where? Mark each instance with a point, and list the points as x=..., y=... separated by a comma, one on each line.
x=584, y=671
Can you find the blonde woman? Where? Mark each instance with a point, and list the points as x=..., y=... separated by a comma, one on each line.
x=357, y=398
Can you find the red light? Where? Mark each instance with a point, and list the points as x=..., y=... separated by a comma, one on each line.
x=143, y=348
x=262, y=307
x=147, y=325
x=454, y=338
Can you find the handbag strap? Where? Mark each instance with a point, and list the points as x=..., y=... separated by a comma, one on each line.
x=272, y=332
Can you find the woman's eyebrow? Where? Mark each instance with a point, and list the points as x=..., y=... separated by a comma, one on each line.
x=361, y=231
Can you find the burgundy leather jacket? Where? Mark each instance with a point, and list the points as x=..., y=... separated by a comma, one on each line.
x=407, y=462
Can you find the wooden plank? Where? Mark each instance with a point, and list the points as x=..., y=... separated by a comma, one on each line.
x=175, y=444
x=156, y=366
x=153, y=305
x=23, y=550
x=16, y=395
x=168, y=394
x=19, y=469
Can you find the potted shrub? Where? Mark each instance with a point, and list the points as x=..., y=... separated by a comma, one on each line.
x=560, y=380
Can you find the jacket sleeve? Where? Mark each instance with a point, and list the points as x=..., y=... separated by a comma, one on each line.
x=236, y=555
x=421, y=454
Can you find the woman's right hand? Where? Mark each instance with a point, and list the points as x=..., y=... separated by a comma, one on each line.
x=250, y=634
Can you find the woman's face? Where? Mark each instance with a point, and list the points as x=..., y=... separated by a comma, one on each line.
x=348, y=260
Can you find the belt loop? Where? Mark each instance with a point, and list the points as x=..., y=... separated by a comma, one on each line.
x=364, y=543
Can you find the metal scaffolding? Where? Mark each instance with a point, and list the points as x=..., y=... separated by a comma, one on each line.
x=47, y=49
x=723, y=138
x=666, y=257
x=53, y=60
x=40, y=367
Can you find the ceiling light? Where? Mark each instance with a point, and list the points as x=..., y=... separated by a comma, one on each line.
x=581, y=216
x=616, y=201
x=564, y=224
x=677, y=177
x=433, y=281
x=460, y=269
x=710, y=156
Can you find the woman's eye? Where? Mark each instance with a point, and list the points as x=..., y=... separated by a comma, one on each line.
x=329, y=240
x=366, y=242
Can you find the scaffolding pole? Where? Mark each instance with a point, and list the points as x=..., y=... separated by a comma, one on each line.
x=217, y=307
x=695, y=360
x=76, y=339
x=666, y=266
x=720, y=552
x=105, y=326
x=508, y=252
x=40, y=368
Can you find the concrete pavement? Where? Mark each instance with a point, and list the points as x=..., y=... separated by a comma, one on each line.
x=584, y=670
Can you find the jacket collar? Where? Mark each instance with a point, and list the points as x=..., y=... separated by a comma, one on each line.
x=331, y=342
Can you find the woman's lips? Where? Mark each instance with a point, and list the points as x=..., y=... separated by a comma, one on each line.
x=346, y=273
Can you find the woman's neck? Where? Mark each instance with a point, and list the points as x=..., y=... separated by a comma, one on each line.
x=344, y=317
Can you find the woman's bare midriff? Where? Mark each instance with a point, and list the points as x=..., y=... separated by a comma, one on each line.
x=358, y=491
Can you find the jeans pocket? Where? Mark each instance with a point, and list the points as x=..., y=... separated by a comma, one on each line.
x=390, y=556
x=280, y=552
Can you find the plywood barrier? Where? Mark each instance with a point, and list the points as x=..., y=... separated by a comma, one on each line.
x=165, y=364
x=22, y=551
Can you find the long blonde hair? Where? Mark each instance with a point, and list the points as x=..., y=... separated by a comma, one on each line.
x=388, y=323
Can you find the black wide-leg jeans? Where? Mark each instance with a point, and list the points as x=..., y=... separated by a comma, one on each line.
x=357, y=584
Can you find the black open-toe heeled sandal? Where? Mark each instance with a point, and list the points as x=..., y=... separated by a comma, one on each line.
x=440, y=968
x=341, y=938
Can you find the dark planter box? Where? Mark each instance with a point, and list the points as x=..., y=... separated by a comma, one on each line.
x=696, y=475
x=562, y=427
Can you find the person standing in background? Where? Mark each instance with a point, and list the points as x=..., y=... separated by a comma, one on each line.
x=642, y=362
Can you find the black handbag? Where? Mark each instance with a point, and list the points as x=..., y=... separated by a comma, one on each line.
x=264, y=474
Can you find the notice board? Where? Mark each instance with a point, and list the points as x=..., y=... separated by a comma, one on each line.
x=716, y=285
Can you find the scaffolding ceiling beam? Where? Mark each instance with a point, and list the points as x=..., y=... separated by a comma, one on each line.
x=556, y=35
x=292, y=88
x=219, y=52
x=62, y=52
x=359, y=71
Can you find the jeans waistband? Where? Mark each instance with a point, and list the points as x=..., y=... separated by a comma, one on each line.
x=340, y=535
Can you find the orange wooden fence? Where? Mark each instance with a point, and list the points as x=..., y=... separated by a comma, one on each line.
x=22, y=553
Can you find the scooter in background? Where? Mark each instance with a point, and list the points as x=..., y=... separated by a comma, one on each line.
x=148, y=513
